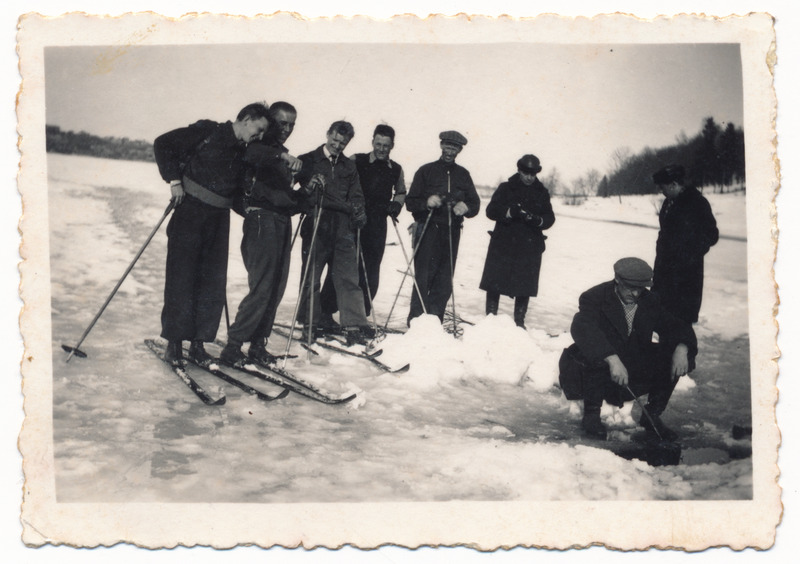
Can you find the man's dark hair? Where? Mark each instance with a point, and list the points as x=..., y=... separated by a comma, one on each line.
x=256, y=110
x=385, y=130
x=280, y=107
x=344, y=128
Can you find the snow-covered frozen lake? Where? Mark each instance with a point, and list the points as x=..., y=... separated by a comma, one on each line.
x=473, y=419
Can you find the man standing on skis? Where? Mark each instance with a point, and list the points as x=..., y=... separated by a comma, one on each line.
x=384, y=188
x=442, y=194
x=204, y=165
x=338, y=202
x=626, y=343
x=269, y=202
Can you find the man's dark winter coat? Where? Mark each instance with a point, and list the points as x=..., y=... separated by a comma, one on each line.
x=433, y=260
x=270, y=184
x=515, y=250
x=450, y=181
x=600, y=330
x=207, y=152
x=688, y=230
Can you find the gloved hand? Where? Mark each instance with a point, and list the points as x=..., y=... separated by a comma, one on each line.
x=358, y=216
x=434, y=201
x=460, y=208
x=317, y=182
x=534, y=219
x=516, y=211
x=393, y=209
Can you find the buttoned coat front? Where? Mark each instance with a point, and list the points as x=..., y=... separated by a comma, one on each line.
x=514, y=258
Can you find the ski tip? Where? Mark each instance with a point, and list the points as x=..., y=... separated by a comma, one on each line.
x=401, y=369
x=219, y=401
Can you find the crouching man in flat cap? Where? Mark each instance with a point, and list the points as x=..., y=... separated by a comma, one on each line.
x=625, y=343
x=442, y=194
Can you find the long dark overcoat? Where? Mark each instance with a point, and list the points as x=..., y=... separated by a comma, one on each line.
x=515, y=250
x=688, y=230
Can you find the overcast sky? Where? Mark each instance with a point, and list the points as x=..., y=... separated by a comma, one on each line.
x=571, y=105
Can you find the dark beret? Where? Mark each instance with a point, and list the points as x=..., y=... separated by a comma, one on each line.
x=453, y=137
x=669, y=174
x=529, y=164
x=633, y=271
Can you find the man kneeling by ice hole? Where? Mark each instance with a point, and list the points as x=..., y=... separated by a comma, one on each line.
x=626, y=343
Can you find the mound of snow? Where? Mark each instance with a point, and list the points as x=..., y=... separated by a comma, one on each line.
x=493, y=350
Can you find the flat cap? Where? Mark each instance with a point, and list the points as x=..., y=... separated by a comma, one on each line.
x=453, y=137
x=633, y=271
x=669, y=174
x=529, y=164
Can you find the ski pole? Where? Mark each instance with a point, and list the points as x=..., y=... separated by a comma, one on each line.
x=405, y=256
x=366, y=278
x=296, y=231
x=452, y=267
x=75, y=350
x=312, y=257
x=317, y=214
x=409, y=267
x=645, y=411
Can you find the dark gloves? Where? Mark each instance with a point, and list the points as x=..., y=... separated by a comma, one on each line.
x=533, y=219
x=393, y=209
x=358, y=216
x=518, y=212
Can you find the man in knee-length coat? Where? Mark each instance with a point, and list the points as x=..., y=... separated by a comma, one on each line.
x=521, y=209
x=687, y=231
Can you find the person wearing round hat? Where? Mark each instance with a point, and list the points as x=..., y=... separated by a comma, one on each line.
x=521, y=210
x=625, y=342
x=687, y=230
x=441, y=195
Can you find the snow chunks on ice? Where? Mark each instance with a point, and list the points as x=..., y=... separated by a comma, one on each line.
x=494, y=349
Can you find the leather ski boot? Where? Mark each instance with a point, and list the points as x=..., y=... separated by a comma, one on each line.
x=174, y=354
x=198, y=354
x=232, y=354
x=258, y=352
x=354, y=336
x=327, y=324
